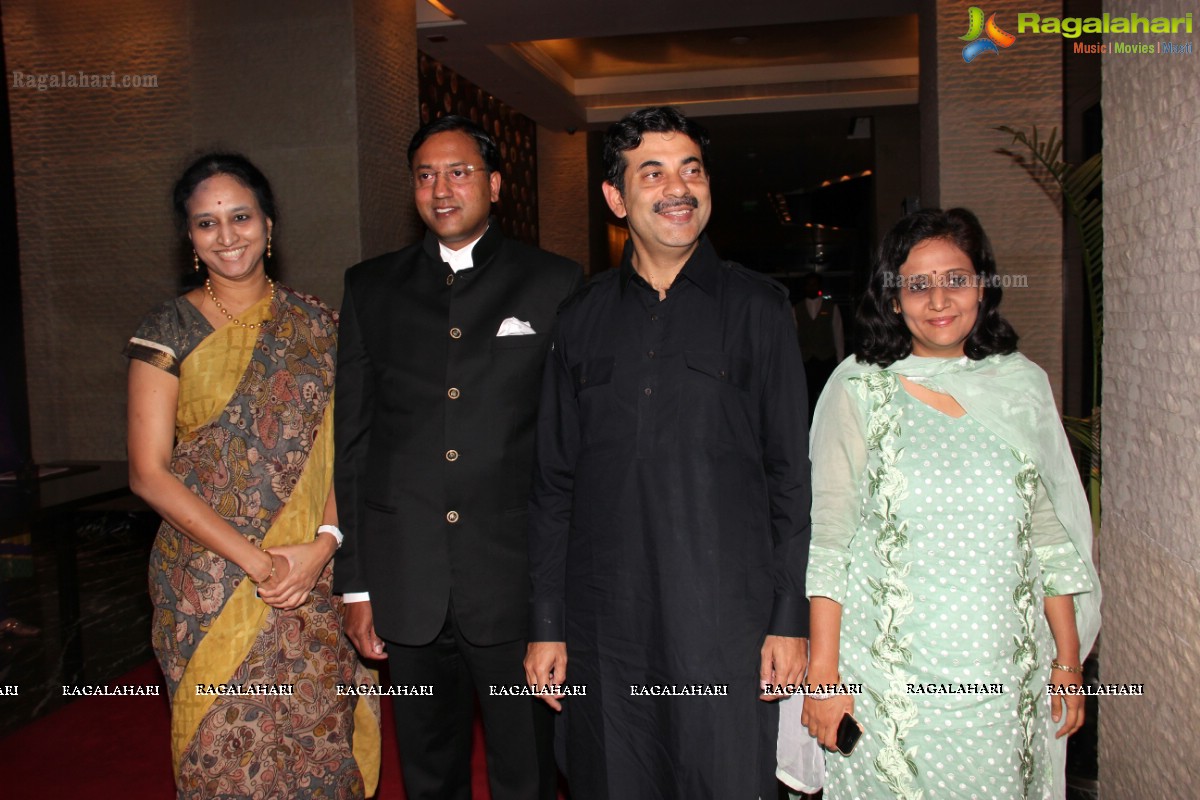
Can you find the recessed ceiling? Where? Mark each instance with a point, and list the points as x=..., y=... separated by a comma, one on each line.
x=574, y=63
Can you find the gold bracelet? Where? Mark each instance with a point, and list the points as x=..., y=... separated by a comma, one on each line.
x=266, y=579
x=1055, y=665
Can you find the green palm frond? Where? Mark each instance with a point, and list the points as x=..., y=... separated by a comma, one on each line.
x=1078, y=184
x=1081, y=200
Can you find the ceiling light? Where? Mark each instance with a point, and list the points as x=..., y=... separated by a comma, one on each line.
x=435, y=14
x=442, y=8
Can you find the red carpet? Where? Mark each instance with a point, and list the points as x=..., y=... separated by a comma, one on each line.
x=109, y=747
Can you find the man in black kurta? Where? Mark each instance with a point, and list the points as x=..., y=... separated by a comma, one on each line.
x=669, y=521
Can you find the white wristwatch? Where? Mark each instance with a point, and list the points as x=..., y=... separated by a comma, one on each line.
x=334, y=531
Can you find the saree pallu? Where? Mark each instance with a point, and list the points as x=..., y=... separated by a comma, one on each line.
x=254, y=441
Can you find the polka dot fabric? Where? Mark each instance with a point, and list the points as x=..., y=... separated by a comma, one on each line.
x=960, y=513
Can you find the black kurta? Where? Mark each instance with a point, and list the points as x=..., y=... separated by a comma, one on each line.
x=669, y=525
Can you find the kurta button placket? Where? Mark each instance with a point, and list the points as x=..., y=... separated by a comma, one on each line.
x=450, y=279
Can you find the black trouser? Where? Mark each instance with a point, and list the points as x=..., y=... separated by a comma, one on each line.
x=435, y=733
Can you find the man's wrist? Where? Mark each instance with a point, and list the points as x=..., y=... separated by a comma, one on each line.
x=547, y=621
x=789, y=616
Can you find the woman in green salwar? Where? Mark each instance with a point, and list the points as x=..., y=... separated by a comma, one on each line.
x=950, y=570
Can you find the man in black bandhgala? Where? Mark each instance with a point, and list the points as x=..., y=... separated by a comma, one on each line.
x=669, y=523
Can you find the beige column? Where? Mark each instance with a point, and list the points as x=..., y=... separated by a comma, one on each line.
x=1150, y=535
x=961, y=105
x=321, y=94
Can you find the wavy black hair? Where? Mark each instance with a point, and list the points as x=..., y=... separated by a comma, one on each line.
x=626, y=134
x=453, y=122
x=234, y=165
x=883, y=338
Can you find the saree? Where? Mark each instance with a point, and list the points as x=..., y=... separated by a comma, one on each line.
x=258, y=708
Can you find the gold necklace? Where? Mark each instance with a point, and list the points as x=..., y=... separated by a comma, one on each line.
x=230, y=317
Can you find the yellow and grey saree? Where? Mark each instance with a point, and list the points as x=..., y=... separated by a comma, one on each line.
x=256, y=707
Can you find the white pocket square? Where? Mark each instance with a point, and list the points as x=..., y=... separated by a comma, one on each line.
x=515, y=327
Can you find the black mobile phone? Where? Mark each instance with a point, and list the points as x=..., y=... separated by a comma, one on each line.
x=848, y=733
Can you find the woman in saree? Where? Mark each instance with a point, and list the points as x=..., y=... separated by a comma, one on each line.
x=230, y=441
x=950, y=569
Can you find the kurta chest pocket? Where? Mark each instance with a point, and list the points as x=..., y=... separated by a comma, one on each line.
x=591, y=373
x=721, y=367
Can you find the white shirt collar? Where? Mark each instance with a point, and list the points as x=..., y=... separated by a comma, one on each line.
x=459, y=259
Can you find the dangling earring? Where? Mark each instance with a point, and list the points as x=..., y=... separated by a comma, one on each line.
x=895, y=307
x=268, y=245
x=195, y=261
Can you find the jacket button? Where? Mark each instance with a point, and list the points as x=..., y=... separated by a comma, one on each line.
x=453, y=393
x=455, y=333
x=450, y=280
x=452, y=455
x=452, y=517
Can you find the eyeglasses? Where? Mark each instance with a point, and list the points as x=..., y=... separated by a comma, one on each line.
x=457, y=175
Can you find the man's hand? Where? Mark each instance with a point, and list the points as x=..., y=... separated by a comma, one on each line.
x=546, y=665
x=784, y=659
x=359, y=623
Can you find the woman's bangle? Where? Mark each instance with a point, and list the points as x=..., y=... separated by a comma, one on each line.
x=818, y=695
x=1055, y=665
x=266, y=579
x=333, y=531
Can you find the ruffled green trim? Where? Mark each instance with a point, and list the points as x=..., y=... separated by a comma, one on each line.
x=895, y=765
x=1025, y=655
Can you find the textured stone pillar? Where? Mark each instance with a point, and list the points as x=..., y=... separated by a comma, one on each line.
x=563, y=190
x=961, y=105
x=319, y=93
x=1149, y=537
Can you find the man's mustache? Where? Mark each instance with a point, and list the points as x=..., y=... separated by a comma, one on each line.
x=675, y=202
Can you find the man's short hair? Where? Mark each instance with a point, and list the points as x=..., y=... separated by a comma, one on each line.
x=453, y=122
x=627, y=135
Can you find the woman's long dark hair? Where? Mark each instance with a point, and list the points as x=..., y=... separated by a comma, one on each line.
x=883, y=338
